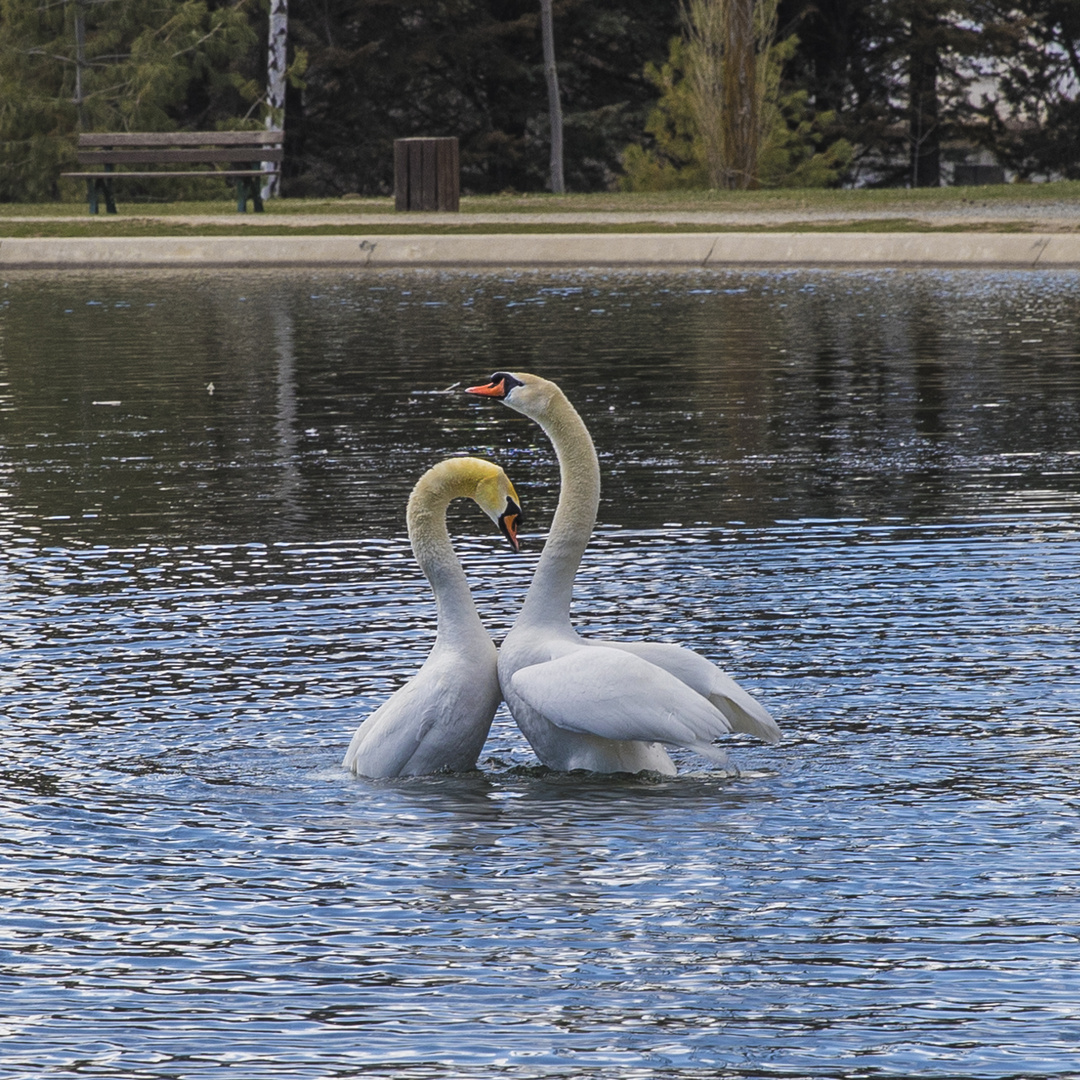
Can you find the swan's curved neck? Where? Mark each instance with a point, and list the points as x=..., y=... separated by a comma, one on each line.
x=549, y=595
x=426, y=520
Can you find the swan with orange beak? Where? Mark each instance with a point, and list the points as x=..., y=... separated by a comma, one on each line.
x=604, y=706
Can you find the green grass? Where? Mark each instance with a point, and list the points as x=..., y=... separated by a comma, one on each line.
x=895, y=210
x=136, y=227
x=782, y=199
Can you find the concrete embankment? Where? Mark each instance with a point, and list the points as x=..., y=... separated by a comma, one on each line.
x=522, y=251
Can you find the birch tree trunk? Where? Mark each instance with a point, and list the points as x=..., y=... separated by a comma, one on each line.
x=275, y=85
x=547, y=33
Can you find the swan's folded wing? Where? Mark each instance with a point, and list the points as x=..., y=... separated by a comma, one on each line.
x=744, y=713
x=389, y=737
x=613, y=694
x=435, y=722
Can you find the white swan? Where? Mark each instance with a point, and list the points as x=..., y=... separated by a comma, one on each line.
x=601, y=705
x=438, y=721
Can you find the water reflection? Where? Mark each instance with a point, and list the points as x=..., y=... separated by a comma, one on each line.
x=843, y=381
x=857, y=492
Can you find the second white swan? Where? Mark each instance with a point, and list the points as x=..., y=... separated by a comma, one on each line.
x=438, y=721
x=603, y=706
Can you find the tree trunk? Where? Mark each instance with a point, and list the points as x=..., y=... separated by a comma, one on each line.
x=740, y=104
x=547, y=33
x=924, y=126
x=275, y=84
x=732, y=83
x=80, y=63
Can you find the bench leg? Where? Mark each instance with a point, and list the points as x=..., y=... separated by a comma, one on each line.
x=104, y=187
x=248, y=188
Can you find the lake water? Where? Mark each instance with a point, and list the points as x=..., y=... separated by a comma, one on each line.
x=858, y=492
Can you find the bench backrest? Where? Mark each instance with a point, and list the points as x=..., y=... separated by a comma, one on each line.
x=166, y=147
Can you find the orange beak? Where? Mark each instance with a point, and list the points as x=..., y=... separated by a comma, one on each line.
x=492, y=389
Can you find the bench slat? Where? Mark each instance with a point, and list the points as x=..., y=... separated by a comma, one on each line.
x=181, y=138
x=209, y=173
x=151, y=157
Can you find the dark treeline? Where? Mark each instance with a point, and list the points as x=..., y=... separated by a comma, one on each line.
x=909, y=84
x=912, y=81
x=380, y=70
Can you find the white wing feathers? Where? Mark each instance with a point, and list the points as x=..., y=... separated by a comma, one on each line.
x=611, y=693
x=743, y=712
x=436, y=722
x=386, y=740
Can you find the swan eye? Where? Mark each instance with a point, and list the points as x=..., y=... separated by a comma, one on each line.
x=499, y=386
x=508, y=381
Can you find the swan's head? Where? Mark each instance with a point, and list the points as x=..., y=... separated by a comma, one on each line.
x=490, y=488
x=527, y=394
x=465, y=478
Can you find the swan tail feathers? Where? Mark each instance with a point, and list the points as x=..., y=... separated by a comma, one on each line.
x=744, y=713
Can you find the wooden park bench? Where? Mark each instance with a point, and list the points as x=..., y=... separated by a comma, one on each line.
x=233, y=155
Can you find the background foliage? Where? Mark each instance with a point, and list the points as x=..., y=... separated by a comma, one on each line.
x=147, y=65
x=872, y=91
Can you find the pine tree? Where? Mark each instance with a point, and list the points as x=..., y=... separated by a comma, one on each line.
x=136, y=65
x=901, y=77
x=1034, y=118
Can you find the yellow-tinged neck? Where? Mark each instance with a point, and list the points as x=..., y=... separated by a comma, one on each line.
x=426, y=520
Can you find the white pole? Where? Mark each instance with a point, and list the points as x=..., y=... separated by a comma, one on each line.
x=80, y=62
x=547, y=34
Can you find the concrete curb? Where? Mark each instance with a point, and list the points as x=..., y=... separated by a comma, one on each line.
x=1030, y=250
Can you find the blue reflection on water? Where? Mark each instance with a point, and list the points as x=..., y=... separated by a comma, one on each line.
x=201, y=599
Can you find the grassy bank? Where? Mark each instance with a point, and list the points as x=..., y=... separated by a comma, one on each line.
x=1009, y=207
x=136, y=227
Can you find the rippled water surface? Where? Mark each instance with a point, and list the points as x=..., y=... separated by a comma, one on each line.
x=859, y=493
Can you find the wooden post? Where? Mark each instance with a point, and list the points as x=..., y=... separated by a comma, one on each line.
x=427, y=174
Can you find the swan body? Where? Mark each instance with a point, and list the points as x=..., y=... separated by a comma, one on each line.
x=438, y=721
x=603, y=706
